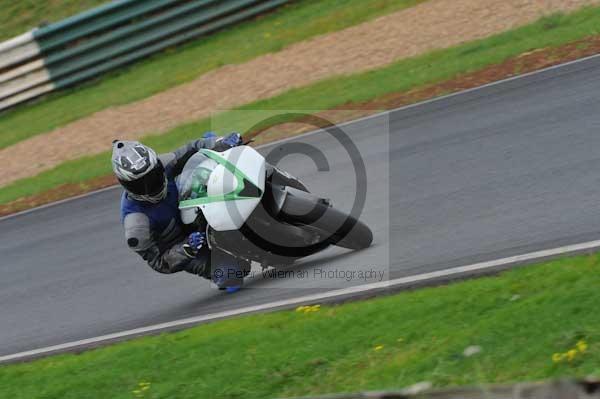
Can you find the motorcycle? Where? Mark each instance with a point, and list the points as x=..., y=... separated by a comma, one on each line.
x=252, y=210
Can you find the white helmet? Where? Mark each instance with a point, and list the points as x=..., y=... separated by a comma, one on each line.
x=139, y=171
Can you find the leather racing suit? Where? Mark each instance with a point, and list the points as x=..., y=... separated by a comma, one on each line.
x=155, y=231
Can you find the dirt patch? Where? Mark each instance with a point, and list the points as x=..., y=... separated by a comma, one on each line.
x=524, y=63
x=425, y=27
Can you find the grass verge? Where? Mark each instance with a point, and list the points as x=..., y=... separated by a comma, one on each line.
x=289, y=24
x=403, y=76
x=17, y=17
x=530, y=323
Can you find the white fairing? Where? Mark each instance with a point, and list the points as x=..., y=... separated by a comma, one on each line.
x=188, y=215
x=230, y=214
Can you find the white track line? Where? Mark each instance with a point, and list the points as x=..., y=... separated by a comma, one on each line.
x=361, y=289
x=364, y=118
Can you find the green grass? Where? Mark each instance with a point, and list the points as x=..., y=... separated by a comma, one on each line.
x=17, y=17
x=289, y=24
x=403, y=75
x=519, y=319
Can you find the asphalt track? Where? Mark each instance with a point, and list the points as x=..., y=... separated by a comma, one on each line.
x=504, y=170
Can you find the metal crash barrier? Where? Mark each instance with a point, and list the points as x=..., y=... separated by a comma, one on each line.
x=88, y=44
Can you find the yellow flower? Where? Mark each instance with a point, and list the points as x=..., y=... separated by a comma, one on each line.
x=308, y=309
x=378, y=348
x=571, y=354
x=557, y=357
x=581, y=346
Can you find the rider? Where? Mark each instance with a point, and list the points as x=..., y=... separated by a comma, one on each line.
x=150, y=214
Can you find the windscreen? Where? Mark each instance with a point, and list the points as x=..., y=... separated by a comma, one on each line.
x=193, y=180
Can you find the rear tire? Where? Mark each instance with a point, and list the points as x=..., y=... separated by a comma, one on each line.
x=359, y=237
x=340, y=228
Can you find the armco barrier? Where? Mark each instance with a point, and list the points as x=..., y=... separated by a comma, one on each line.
x=88, y=44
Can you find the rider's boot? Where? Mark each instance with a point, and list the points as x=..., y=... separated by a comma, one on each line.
x=228, y=272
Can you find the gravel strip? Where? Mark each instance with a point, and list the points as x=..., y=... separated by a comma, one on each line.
x=431, y=25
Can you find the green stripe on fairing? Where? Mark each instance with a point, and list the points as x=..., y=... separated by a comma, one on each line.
x=233, y=196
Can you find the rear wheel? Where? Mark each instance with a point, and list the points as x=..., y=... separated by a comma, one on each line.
x=341, y=229
x=358, y=237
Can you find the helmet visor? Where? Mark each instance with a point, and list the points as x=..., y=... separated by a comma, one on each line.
x=151, y=184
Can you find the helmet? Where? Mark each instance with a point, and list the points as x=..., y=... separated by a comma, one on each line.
x=139, y=171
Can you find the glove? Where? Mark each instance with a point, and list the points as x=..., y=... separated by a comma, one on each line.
x=194, y=243
x=232, y=140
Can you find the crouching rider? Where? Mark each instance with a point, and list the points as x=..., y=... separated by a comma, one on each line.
x=150, y=213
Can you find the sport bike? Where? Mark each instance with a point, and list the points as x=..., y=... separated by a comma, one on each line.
x=251, y=210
